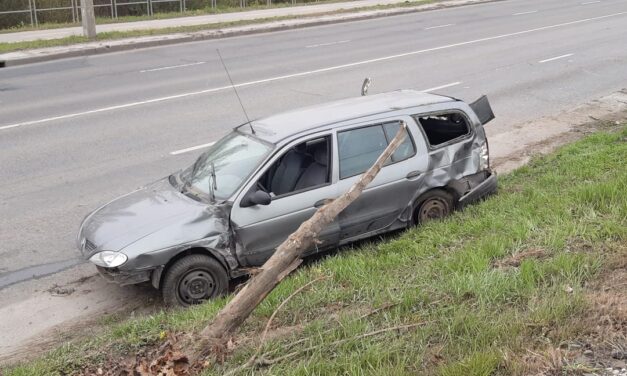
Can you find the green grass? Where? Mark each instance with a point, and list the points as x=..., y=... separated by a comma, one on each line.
x=475, y=316
x=116, y=35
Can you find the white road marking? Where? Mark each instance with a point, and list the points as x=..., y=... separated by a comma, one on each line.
x=172, y=67
x=315, y=71
x=555, y=58
x=438, y=27
x=590, y=2
x=521, y=13
x=9, y=126
x=327, y=44
x=177, y=152
x=112, y=108
x=440, y=87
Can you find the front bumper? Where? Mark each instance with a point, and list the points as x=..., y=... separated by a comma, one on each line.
x=485, y=188
x=123, y=277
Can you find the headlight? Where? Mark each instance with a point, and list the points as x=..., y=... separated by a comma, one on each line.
x=109, y=259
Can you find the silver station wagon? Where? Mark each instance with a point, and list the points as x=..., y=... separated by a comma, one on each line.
x=193, y=231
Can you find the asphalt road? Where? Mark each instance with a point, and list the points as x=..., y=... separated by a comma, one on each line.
x=228, y=17
x=76, y=133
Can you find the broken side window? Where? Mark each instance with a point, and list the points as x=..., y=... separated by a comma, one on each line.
x=442, y=128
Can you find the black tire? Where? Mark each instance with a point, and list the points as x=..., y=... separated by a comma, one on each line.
x=435, y=204
x=192, y=280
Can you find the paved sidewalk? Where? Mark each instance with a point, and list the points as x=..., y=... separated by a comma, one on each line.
x=302, y=10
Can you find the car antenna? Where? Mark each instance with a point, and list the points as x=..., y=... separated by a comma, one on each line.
x=236, y=93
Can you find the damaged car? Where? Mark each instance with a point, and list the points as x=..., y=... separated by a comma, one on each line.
x=192, y=232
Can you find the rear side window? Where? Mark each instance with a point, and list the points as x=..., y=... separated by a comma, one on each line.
x=404, y=150
x=359, y=148
x=443, y=128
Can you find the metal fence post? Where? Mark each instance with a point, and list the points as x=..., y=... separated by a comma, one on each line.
x=115, y=8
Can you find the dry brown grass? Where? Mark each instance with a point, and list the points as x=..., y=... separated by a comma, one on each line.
x=517, y=258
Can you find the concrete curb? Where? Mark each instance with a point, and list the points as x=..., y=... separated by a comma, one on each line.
x=95, y=48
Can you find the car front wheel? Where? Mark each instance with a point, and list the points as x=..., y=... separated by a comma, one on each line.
x=192, y=280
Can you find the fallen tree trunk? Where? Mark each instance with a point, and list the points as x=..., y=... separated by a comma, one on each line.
x=287, y=257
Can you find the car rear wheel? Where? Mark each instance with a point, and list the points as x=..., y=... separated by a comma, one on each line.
x=192, y=280
x=435, y=204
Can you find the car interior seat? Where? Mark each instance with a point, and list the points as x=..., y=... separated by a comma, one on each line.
x=289, y=170
x=317, y=172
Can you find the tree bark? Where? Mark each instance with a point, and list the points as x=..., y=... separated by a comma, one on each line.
x=288, y=255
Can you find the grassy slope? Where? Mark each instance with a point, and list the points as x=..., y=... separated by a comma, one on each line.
x=482, y=312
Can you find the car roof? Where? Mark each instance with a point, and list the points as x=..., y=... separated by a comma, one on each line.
x=280, y=126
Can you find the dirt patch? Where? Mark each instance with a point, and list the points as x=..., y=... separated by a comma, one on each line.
x=511, y=150
x=61, y=291
x=607, y=314
x=61, y=308
x=599, y=344
x=517, y=258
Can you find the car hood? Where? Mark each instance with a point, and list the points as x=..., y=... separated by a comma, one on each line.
x=146, y=212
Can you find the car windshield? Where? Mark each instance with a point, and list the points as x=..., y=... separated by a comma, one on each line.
x=231, y=160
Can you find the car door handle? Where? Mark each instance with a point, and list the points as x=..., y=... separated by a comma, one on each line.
x=412, y=174
x=320, y=203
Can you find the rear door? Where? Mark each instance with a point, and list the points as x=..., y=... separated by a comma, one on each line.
x=391, y=192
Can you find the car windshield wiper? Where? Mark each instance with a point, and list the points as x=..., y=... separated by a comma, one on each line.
x=213, y=184
x=187, y=183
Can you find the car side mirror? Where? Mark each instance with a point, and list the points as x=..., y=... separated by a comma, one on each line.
x=256, y=198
